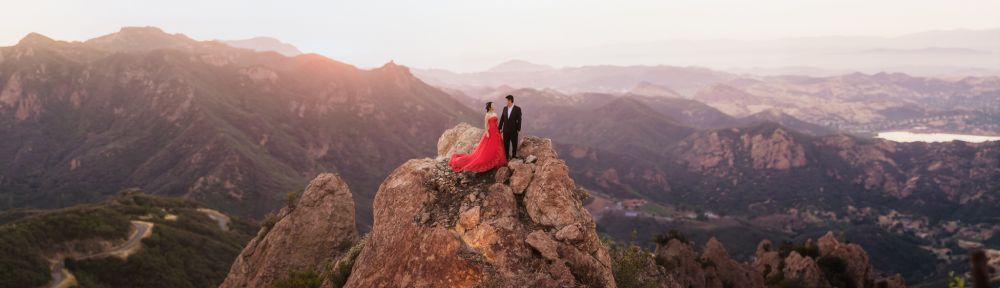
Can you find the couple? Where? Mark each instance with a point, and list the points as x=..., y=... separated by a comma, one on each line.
x=494, y=148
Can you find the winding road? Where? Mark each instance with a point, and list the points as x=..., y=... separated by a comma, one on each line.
x=219, y=218
x=63, y=278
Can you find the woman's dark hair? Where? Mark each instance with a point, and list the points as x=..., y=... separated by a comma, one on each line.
x=489, y=106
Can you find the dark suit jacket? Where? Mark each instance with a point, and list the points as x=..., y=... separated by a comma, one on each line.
x=510, y=121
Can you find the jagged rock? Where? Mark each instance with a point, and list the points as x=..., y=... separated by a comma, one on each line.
x=767, y=260
x=460, y=139
x=469, y=219
x=728, y=270
x=683, y=264
x=530, y=159
x=521, y=176
x=424, y=236
x=551, y=198
x=777, y=151
x=502, y=175
x=403, y=253
x=859, y=268
x=569, y=233
x=802, y=269
x=499, y=202
x=317, y=231
x=543, y=243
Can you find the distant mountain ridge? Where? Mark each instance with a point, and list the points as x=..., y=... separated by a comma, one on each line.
x=233, y=128
x=599, y=78
x=262, y=44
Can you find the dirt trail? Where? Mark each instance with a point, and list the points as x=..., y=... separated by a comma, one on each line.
x=63, y=278
x=220, y=218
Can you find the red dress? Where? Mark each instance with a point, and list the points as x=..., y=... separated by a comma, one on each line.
x=489, y=152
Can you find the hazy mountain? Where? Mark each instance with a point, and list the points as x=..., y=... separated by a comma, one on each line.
x=605, y=78
x=262, y=44
x=519, y=66
x=650, y=89
x=834, y=53
x=776, y=116
x=233, y=128
x=864, y=103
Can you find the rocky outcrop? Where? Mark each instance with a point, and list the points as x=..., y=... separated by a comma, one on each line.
x=305, y=237
x=824, y=263
x=802, y=270
x=460, y=139
x=767, y=260
x=437, y=228
x=857, y=266
x=730, y=272
x=777, y=151
x=713, y=269
x=807, y=265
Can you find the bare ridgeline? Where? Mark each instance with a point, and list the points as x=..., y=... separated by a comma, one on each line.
x=517, y=226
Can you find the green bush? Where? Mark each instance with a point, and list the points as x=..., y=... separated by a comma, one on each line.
x=629, y=265
x=340, y=273
x=291, y=198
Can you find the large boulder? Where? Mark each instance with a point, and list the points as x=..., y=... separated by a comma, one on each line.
x=460, y=139
x=305, y=237
x=437, y=228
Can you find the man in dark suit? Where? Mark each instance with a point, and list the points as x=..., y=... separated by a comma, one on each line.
x=510, y=125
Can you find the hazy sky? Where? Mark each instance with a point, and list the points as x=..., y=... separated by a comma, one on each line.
x=466, y=35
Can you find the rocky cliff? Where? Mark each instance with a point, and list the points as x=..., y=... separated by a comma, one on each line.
x=522, y=225
x=518, y=226
x=306, y=236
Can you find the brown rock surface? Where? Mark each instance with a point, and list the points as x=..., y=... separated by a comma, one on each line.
x=317, y=231
x=683, y=264
x=802, y=269
x=730, y=272
x=460, y=139
x=859, y=268
x=426, y=232
x=768, y=260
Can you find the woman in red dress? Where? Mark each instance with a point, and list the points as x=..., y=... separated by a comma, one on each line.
x=489, y=152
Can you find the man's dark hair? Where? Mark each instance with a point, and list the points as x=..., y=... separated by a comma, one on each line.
x=510, y=98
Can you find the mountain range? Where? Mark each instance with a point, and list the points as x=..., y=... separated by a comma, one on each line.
x=741, y=158
x=226, y=126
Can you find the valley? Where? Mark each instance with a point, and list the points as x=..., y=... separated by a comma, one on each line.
x=225, y=137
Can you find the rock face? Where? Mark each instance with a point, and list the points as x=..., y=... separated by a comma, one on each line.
x=437, y=228
x=460, y=139
x=801, y=269
x=730, y=272
x=713, y=269
x=847, y=264
x=305, y=237
x=856, y=259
